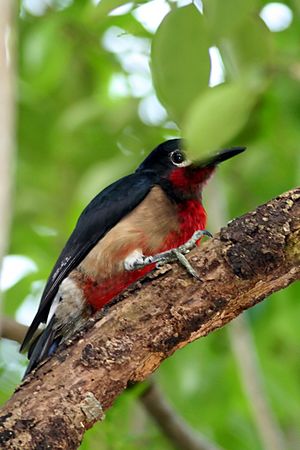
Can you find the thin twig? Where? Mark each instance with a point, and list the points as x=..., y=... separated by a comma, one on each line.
x=252, y=380
x=244, y=349
x=180, y=434
x=11, y=329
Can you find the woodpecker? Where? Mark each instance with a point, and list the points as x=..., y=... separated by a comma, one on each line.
x=125, y=230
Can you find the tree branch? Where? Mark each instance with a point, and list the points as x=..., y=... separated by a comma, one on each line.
x=253, y=257
x=173, y=426
x=10, y=329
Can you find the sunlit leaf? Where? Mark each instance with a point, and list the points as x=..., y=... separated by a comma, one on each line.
x=250, y=48
x=223, y=17
x=105, y=6
x=180, y=60
x=217, y=116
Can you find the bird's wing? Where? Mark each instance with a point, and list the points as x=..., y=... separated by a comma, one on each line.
x=100, y=216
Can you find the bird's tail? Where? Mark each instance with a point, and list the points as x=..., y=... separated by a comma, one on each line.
x=43, y=346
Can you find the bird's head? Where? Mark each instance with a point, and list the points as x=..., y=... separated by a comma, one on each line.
x=170, y=162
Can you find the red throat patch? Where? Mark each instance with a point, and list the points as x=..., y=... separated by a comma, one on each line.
x=187, y=179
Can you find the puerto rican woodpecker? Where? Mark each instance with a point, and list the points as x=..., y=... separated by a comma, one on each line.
x=128, y=227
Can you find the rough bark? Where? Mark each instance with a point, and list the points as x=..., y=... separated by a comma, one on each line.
x=248, y=260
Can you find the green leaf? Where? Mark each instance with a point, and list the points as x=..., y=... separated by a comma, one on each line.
x=217, y=116
x=249, y=48
x=45, y=55
x=224, y=16
x=180, y=60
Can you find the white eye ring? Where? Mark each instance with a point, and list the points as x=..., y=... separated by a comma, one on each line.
x=184, y=163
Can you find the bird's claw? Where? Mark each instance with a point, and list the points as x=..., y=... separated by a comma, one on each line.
x=191, y=243
x=140, y=261
x=187, y=265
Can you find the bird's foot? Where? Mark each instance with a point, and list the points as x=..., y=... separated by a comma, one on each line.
x=137, y=260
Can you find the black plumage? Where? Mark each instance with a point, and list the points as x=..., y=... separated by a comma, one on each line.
x=101, y=215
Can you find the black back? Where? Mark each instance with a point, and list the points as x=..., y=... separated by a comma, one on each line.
x=102, y=213
x=100, y=216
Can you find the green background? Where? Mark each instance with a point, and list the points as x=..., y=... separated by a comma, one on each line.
x=88, y=113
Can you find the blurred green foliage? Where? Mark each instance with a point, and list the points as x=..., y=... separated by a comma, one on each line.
x=87, y=113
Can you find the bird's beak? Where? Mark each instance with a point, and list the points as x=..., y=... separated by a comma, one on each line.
x=219, y=157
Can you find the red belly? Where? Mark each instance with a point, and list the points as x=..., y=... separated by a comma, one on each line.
x=98, y=295
x=192, y=217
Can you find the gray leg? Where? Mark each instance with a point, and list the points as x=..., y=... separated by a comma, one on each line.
x=185, y=263
x=176, y=254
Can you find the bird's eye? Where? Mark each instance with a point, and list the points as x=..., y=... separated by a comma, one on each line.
x=178, y=159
